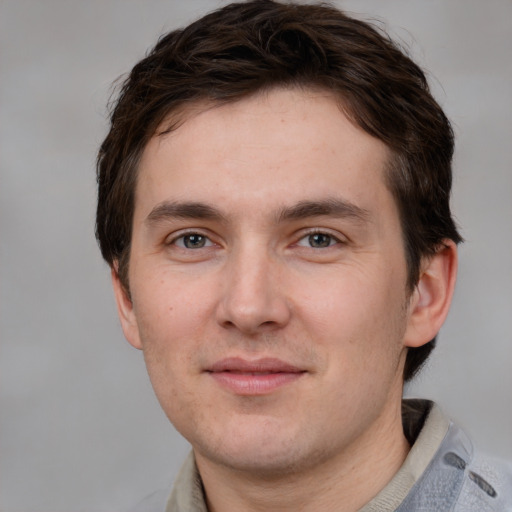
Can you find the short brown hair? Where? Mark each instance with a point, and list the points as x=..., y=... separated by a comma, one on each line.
x=248, y=47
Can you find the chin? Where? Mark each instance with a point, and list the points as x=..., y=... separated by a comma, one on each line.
x=264, y=464
x=265, y=453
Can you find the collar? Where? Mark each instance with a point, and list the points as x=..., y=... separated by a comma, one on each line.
x=426, y=417
x=422, y=420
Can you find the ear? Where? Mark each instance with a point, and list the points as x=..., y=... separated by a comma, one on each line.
x=125, y=311
x=431, y=299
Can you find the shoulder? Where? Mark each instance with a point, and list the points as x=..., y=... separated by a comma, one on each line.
x=457, y=477
x=467, y=480
x=485, y=482
x=154, y=502
x=186, y=496
x=487, y=485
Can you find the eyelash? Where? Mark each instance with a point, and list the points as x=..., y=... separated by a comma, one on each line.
x=333, y=240
x=182, y=236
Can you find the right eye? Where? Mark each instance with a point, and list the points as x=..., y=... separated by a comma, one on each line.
x=192, y=241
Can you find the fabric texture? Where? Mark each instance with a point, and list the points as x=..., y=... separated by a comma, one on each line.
x=441, y=473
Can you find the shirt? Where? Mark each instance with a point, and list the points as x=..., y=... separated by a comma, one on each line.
x=441, y=473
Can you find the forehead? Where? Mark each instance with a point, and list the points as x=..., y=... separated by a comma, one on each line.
x=273, y=145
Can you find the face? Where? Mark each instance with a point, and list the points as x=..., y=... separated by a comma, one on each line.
x=268, y=282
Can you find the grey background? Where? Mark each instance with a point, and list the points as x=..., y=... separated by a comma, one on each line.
x=80, y=429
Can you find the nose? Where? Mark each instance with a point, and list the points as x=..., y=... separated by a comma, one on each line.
x=253, y=297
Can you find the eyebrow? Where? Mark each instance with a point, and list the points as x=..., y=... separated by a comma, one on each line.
x=332, y=207
x=186, y=210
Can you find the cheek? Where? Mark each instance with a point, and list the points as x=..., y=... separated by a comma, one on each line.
x=358, y=318
x=172, y=319
x=168, y=330
x=169, y=305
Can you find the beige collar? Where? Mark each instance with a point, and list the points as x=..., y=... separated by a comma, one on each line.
x=422, y=452
x=188, y=496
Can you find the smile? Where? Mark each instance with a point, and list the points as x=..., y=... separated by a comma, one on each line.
x=258, y=377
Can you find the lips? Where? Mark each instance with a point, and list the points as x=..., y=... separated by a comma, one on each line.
x=259, y=377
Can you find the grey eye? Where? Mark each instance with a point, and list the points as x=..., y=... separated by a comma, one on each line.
x=193, y=241
x=320, y=240
x=317, y=240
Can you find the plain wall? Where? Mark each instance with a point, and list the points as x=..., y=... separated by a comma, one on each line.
x=80, y=429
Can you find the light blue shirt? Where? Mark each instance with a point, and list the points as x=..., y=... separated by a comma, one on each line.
x=441, y=473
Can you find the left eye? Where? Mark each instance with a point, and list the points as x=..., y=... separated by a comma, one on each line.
x=193, y=241
x=318, y=240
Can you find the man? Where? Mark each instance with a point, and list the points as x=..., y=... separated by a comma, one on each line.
x=274, y=205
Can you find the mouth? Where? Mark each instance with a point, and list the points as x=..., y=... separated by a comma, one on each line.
x=259, y=377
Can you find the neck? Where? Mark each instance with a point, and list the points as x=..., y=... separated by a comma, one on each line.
x=343, y=483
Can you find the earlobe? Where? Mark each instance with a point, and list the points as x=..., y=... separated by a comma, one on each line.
x=431, y=299
x=125, y=311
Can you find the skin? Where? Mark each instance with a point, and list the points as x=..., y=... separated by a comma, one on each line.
x=263, y=231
